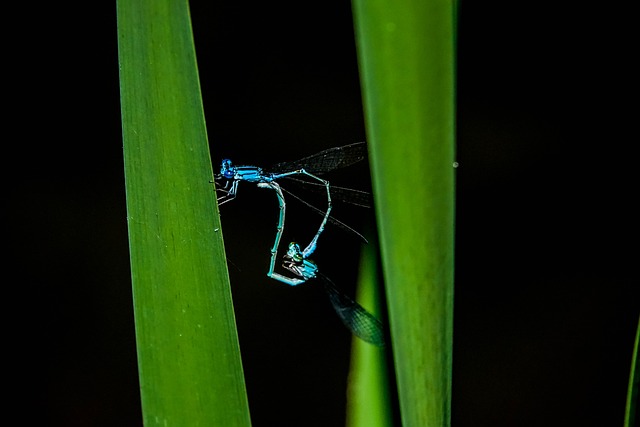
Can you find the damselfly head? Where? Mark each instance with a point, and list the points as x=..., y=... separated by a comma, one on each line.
x=297, y=264
x=294, y=252
x=227, y=170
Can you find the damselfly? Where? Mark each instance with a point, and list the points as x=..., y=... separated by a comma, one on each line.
x=362, y=323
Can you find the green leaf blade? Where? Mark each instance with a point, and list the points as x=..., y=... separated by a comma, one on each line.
x=406, y=57
x=633, y=392
x=188, y=353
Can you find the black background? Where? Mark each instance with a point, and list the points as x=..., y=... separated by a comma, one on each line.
x=546, y=300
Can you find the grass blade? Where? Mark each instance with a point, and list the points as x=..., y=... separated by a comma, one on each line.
x=369, y=395
x=633, y=394
x=188, y=354
x=406, y=57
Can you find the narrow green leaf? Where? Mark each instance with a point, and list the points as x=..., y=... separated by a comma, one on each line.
x=406, y=57
x=188, y=354
x=369, y=395
x=633, y=393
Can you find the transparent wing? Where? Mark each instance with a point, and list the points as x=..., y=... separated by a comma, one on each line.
x=332, y=220
x=362, y=323
x=344, y=194
x=326, y=160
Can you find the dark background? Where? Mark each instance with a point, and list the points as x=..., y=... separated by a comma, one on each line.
x=546, y=300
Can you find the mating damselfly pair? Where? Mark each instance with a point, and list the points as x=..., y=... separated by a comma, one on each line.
x=362, y=323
